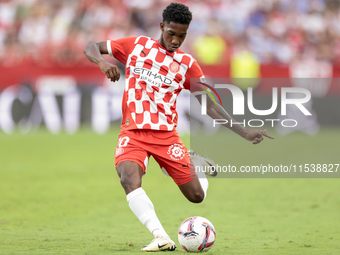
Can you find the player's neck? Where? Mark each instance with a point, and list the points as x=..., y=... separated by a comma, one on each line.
x=161, y=43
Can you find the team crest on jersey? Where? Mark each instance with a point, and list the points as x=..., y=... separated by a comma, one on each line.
x=174, y=67
x=119, y=151
x=176, y=151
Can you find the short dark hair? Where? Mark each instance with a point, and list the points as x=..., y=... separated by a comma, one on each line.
x=177, y=13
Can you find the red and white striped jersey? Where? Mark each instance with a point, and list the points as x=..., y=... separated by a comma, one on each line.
x=154, y=79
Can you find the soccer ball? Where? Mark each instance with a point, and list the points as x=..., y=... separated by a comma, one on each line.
x=196, y=234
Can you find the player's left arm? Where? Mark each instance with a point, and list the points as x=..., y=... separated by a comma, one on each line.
x=216, y=111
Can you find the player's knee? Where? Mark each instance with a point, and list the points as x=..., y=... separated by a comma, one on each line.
x=130, y=184
x=196, y=197
x=130, y=176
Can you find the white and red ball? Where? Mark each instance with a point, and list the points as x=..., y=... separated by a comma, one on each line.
x=196, y=234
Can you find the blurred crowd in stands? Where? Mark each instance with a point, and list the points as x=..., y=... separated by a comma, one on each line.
x=55, y=32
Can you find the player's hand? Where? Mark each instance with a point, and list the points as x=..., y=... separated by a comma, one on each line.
x=111, y=71
x=255, y=136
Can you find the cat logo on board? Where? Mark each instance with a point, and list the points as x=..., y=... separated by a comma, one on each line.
x=174, y=67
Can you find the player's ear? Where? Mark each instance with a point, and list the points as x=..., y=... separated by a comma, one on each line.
x=161, y=25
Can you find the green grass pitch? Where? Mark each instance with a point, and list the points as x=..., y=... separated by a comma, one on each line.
x=60, y=194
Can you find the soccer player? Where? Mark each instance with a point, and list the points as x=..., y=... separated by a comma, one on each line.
x=156, y=72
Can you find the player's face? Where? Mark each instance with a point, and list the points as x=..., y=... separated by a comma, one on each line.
x=173, y=35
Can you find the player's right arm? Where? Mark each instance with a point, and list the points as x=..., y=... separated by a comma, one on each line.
x=94, y=53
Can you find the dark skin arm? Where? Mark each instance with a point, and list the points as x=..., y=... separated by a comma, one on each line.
x=218, y=112
x=94, y=53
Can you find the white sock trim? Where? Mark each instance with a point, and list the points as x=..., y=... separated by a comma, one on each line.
x=204, y=184
x=135, y=193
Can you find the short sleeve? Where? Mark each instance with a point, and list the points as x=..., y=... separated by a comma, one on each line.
x=193, y=72
x=121, y=48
